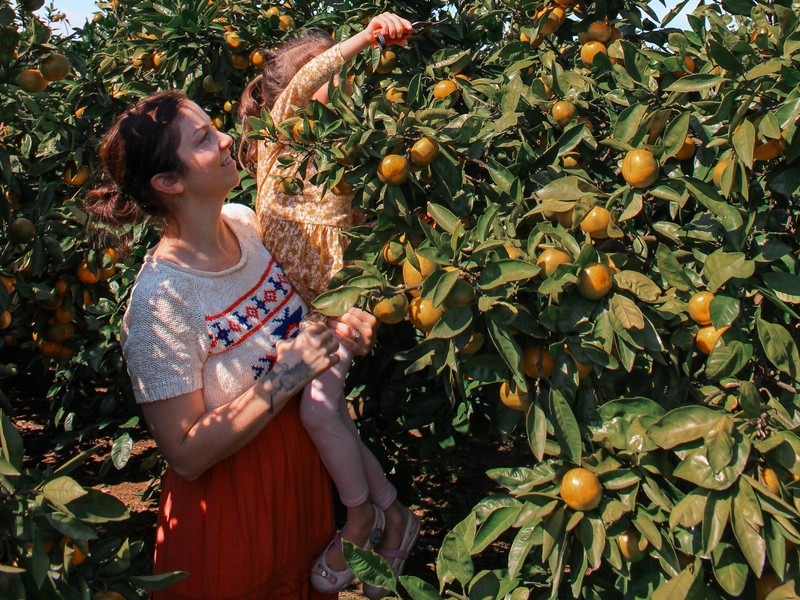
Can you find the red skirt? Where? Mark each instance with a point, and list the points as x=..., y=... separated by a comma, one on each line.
x=252, y=526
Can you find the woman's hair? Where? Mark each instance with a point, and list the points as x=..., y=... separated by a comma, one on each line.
x=279, y=68
x=143, y=142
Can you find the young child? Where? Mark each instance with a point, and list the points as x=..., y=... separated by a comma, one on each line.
x=304, y=234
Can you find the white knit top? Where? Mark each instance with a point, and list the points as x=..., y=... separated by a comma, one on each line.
x=186, y=329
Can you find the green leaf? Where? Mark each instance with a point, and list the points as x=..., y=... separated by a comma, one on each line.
x=724, y=311
x=454, y=562
x=728, y=360
x=11, y=442
x=158, y=582
x=730, y=569
x=570, y=188
x=336, y=302
x=629, y=121
x=744, y=140
x=671, y=270
x=496, y=525
x=750, y=399
x=626, y=312
x=695, y=83
x=640, y=285
x=121, y=450
x=689, y=512
x=720, y=445
x=443, y=217
x=779, y=347
x=566, y=426
x=675, y=134
x=696, y=469
x=750, y=541
x=98, y=507
x=784, y=285
x=63, y=490
x=684, y=424
x=722, y=266
x=506, y=271
x=419, y=589
x=682, y=586
x=369, y=566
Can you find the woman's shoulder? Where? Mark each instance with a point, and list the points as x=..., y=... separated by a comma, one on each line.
x=240, y=216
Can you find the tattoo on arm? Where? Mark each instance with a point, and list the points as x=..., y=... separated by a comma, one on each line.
x=285, y=378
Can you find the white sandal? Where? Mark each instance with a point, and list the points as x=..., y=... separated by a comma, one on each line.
x=327, y=580
x=396, y=558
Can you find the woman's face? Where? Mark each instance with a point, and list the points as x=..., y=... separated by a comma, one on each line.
x=209, y=168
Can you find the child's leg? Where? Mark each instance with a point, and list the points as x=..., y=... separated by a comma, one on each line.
x=381, y=492
x=320, y=410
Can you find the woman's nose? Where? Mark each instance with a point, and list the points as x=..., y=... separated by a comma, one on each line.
x=225, y=140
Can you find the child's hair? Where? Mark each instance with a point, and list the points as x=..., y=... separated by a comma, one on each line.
x=280, y=66
x=143, y=142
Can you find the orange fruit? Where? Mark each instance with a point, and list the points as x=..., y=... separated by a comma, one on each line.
x=687, y=150
x=514, y=252
x=211, y=85
x=285, y=22
x=64, y=314
x=423, y=315
x=765, y=585
x=86, y=275
x=22, y=230
x=393, y=169
x=513, y=397
x=394, y=96
x=554, y=20
x=240, y=61
x=342, y=188
x=460, y=295
x=591, y=49
x=80, y=177
x=594, y=281
x=444, y=88
x=640, y=168
x=584, y=369
x=707, y=337
x=60, y=332
x=235, y=43
x=10, y=283
x=387, y=62
x=700, y=307
x=31, y=80
x=412, y=277
x=581, y=489
x=144, y=60
x=291, y=186
x=631, y=546
x=571, y=159
x=424, y=152
x=391, y=309
x=537, y=362
x=599, y=31
x=549, y=260
x=299, y=131
x=158, y=59
x=768, y=150
x=257, y=58
x=718, y=171
x=272, y=11
x=595, y=223
x=474, y=344
x=535, y=42
x=565, y=218
x=563, y=112
x=78, y=557
x=55, y=67
x=770, y=479
x=5, y=319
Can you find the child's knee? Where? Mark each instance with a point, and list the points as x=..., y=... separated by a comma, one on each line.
x=315, y=414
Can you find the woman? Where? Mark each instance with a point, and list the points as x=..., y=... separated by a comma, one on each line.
x=216, y=354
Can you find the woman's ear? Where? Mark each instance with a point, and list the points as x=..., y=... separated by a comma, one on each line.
x=167, y=183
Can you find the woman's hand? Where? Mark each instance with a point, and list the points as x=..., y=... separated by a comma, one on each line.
x=303, y=358
x=355, y=330
x=393, y=27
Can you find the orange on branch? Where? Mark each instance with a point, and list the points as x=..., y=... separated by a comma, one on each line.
x=55, y=67
x=590, y=50
x=424, y=152
x=391, y=309
x=718, y=171
x=700, y=307
x=687, y=149
x=555, y=18
x=599, y=31
x=513, y=397
x=423, y=314
x=5, y=319
x=595, y=281
x=640, y=169
x=444, y=88
x=765, y=585
x=581, y=489
x=31, y=80
x=549, y=260
x=22, y=230
x=596, y=222
x=770, y=479
x=563, y=112
x=707, y=337
x=537, y=362
x=393, y=169
x=631, y=546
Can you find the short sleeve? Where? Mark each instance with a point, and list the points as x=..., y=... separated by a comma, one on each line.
x=163, y=335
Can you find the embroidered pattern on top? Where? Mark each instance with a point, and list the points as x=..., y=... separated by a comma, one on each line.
x=261, y=306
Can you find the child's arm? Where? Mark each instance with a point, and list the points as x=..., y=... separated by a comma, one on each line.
x=313, y=77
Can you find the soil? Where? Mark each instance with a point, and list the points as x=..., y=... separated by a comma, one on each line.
x=441, y=490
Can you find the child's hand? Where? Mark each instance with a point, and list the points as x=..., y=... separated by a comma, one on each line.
x=393, y=28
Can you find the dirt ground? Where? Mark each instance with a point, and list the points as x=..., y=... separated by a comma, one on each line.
x=441, y=490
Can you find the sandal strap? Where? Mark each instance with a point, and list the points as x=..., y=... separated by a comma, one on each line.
x=393, y=553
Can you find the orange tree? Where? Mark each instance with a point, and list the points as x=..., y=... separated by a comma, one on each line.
x=579, y=224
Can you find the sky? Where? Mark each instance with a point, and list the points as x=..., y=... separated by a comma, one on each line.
x=78, y=11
